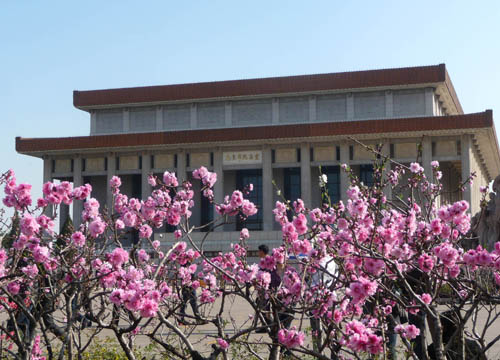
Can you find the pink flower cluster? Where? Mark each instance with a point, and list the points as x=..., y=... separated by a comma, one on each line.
x=291, y=338
x=17, y=196
x=235, y=204
x=407, y=331
x=360, y=338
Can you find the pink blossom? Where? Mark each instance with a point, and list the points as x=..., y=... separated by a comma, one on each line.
x=222, y=343
x=426, y=262
x=41, y=254
x=170, y=179
x=13, y=287
x=152, y=180
x=30, y=270
x=426, y=298
x=407, y=331
x=115, y=182
x=149, y=308
x=416, y=168
x=300, y=223
x=145, y=231
x=97, y=227
x=142, y=255
x=291, y=338
x=78, y=238
x=244, y=234
x=29, y=225
x=118, y=257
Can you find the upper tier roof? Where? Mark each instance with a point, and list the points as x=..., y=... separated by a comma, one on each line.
x=434, y=75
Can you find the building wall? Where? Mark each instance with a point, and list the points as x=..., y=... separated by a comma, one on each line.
x=480, y=180
x=448, y=150
x=266, y=111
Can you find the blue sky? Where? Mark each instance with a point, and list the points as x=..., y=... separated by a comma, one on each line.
x=49, y=49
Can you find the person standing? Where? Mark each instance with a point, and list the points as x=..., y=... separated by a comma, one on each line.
x=323, y=277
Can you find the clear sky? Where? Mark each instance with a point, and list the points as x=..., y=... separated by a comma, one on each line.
x=50, y=48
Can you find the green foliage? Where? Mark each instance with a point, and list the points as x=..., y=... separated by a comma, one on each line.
x=109, y=349
x=13, y=234
x=66, y=231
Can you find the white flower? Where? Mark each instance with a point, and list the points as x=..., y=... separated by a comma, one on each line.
x=323, y=180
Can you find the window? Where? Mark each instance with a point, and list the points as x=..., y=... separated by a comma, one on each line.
x=243, y=179
x=366, y=174
x=291, y=185
x=294, y=110
x=207, y=212
x=333, y=182
x=166, y=227
x=252, y=112
x=331, y=108
x=143, y=119
x=109, y=121
x=177, y=117
x=369, y=105
x=211, y=115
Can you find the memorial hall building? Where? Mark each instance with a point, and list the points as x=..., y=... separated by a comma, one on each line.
x=280, y=129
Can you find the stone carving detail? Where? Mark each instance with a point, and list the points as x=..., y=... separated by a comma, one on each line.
x=486, y=223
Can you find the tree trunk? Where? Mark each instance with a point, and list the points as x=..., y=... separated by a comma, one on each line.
x=437, y=335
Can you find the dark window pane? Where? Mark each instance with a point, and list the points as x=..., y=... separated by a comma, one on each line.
x=243, y=179
x=333, y=182
x=366, y=174
x=291, y=189
x=207, y=212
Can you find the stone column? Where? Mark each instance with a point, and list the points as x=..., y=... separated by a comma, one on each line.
x=466, y=154
x=110, y=173
x=429, y=101
x=219, y=184
x=267, y=189
x=77, y=181
x=386, y=150
x=350, y=106
x=305, y=174
x=181, y=166
x=145, y=171
x=389, y=107
x=47, y=176
x=344, y=178
x=93, y=122
x=427, y=157
x=63, y=215
x=193, y=120
x=312, y=108
x=159, y=118
x=275, y=111
x=228, y=114
x=126, y=120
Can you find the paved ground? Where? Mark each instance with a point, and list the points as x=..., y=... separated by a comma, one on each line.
x=237, y=315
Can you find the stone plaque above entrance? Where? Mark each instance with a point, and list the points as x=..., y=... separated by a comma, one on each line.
x=242, y=157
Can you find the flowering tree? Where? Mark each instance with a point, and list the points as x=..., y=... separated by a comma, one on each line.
x=400, y=266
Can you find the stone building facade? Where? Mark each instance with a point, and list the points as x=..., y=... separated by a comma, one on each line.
x=281, y=129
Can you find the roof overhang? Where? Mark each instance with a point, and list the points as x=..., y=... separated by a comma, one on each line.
x=434, y=76
x=479, y=125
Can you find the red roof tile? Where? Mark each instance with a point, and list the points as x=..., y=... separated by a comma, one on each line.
x=265, y=86
x=467, y=121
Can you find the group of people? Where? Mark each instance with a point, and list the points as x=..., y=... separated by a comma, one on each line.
x=269, y=306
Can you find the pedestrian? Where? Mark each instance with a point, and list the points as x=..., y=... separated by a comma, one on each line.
x=323, y=277
x=263, y=302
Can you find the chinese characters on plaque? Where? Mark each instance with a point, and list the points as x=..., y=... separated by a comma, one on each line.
x=242, y=157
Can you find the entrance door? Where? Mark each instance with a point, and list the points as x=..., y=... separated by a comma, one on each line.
x=243, y=179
